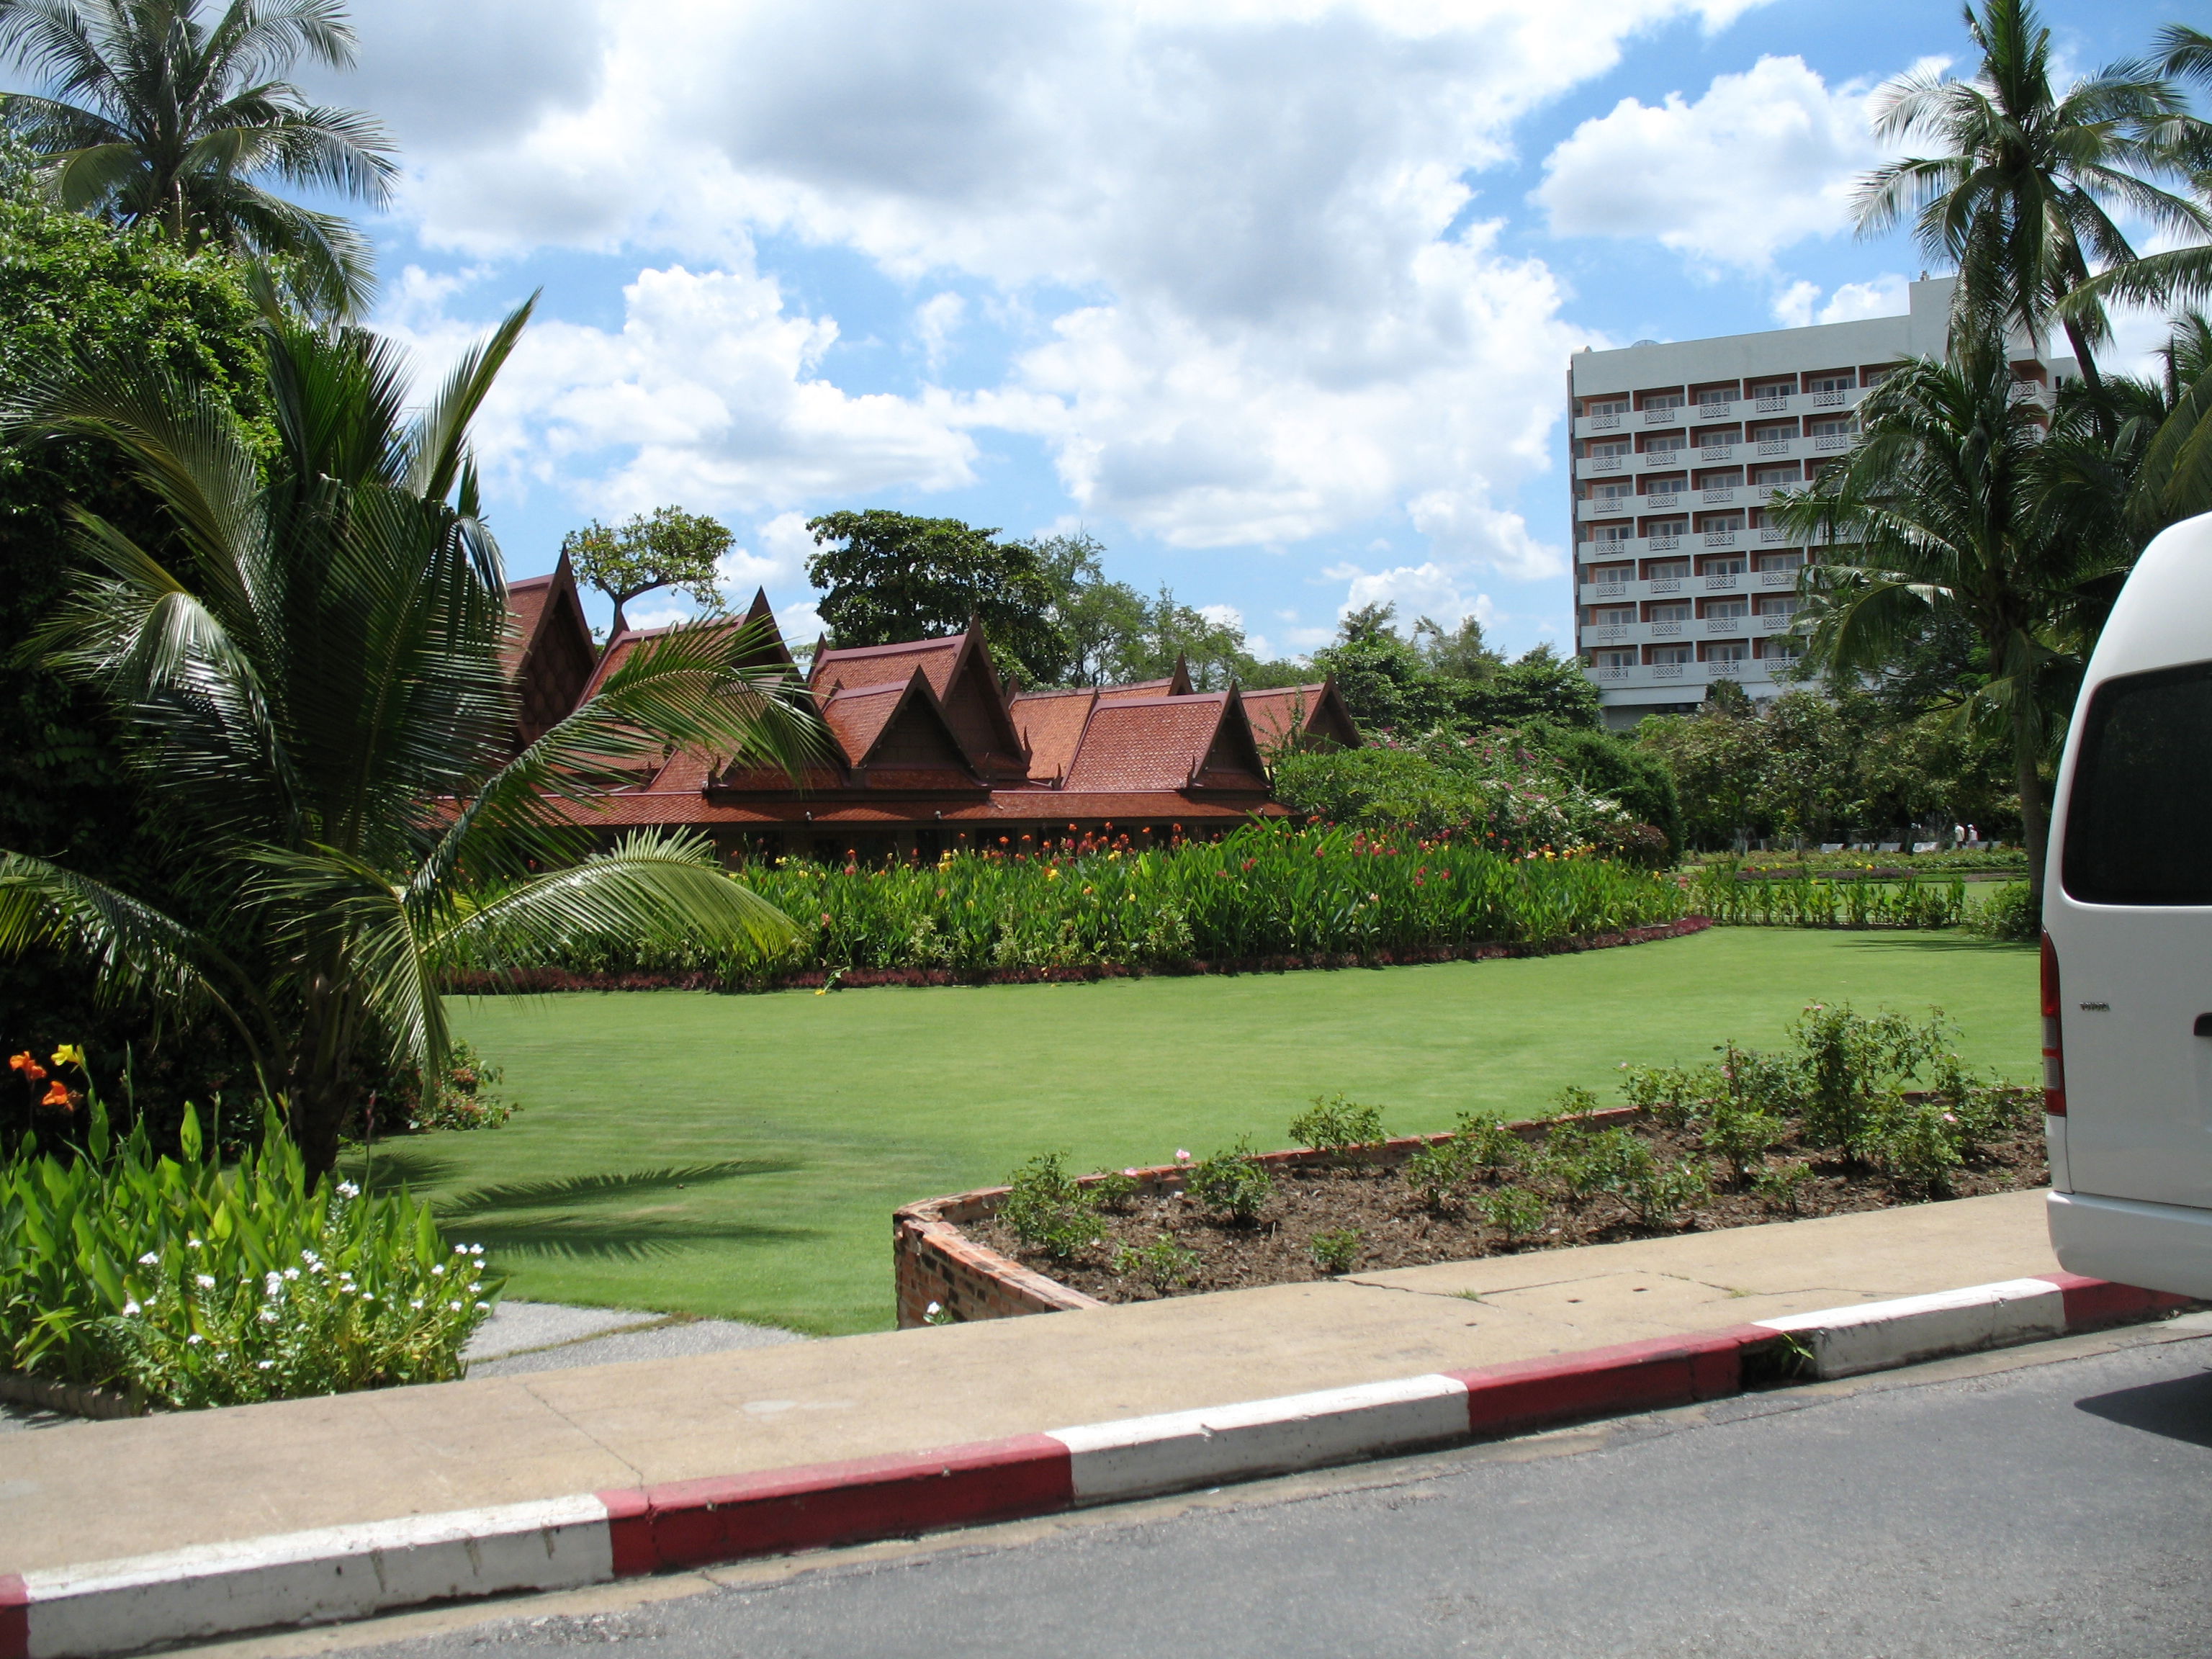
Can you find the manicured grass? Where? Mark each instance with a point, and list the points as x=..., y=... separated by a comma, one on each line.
x=741, y=1155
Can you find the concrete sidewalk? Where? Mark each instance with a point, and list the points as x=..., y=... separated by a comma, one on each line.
x=92, y=1492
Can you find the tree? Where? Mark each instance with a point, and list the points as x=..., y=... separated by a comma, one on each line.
x=891, y=576
x=665, y=548
x=2021, y=192
x=2180, y=275
x=157, y=114
x=1387, y=685
x=1939, y=508
x=308, y=664
x=1540, y=685
x=67, y=281
x=1462, y=653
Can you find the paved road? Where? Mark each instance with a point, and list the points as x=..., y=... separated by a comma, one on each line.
x=2048, y=1509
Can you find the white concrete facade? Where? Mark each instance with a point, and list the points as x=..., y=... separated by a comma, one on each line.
x=1677, y=449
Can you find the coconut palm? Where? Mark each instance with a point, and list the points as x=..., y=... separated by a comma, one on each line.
x=308, y=666
x=2021, y=190
x=157, y=112
x=1948, y=504
x=2180, y=276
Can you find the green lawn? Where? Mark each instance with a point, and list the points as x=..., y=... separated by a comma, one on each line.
x=742, y=1155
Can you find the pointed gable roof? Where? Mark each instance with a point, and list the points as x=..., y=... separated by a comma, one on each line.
x=549, y=654
x=1199, y=741
x=960, y=675
x=897, y=735
x=1301, y=716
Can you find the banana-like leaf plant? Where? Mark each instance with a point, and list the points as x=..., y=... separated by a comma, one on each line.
x=309, y=669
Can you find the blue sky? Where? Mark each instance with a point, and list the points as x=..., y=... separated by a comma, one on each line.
x=1275, y=299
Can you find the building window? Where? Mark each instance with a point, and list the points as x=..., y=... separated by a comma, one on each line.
x=1728, y=650
x=1670, y=653
x=1612, y=659
x=1842, y=379
x=1722, y=609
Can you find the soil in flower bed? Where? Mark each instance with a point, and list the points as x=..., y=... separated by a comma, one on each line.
x=1397, y=1229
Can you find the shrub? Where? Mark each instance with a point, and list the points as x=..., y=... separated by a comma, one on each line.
x=2009, y=912
x=1047, y=1210
x=1850, y=1065
x=1663, y=1194
x=1335, y=1249
x=1338, y=1126
x=1915, y=1143
x=1234, y=1183
x=1779, y=1184
x=1440, y=1175
x=1514, y=1211
x=194, y=1285
x=1584, y=1162
x=1165, y=1264
x=1488, y=1144
x=1670, y=1093
x=1112, y=1193
x=1739, y=1135
x=470, y=1100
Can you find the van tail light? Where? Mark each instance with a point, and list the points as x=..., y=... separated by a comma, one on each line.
x=2054, y=1042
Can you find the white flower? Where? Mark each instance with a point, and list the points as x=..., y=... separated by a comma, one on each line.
x=454, y=1306
x=366, y=1296
x=347, y=1190
x=291, y=1272
x=416, y=1303
x=272, y=1282
x=484, y=1307
x=149, y=1260
x=475, y=1249
x=475, y=1286
x=269, y=1315
x=935, y=1309
x=460, y=1249
x=194, y=1340
x=205, y=1282
x=131, y=1310
x=438, y=1272
x=264, y=1364
x=191, y=1244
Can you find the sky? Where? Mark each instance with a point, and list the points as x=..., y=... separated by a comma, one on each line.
x=1274, y=300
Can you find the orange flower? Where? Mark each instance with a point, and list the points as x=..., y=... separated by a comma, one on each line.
x=57, y=1094
x=28, y=1066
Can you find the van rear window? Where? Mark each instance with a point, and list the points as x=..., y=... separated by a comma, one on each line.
x=2139, y=825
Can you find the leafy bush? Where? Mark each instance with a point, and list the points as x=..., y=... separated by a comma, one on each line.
x=1914, y=1142
x=2008, y=914
x=1799, y=900
x=1234, y=1183
x=470, y=1100
x=1335, y=1249
x=1114, y=1193
x=1779, y=1184
x=1739, y=1134
x=1165, y=1264
x=1262, y=891
x=1047, y=1209
x=1488, y=1144
x=194, y=1285
x=1440, y=1175
x=1850, y=1065
x=1661, y=1193
x=1514, y=1211
x=1338, y=1126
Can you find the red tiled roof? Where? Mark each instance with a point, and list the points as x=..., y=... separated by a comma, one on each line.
x=1048, y=808
x=878, y=665
x=526, y=605
x=1279, y=713
x=856, y=717
x=1157, y=744
x=1051, y=723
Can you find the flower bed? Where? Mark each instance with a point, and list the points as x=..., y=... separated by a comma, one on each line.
x=1826, y=1129
x=1266, y=893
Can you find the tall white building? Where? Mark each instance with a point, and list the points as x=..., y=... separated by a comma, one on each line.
x=1680, y=580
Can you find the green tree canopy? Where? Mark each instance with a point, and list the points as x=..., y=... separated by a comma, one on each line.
x=163, y=112
x=664, y=548
x=889, y=576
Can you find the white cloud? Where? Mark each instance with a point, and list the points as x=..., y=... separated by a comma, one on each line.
x=1763, y=160
x=709, y=393
x=1799, y=305
x=1429, y=589
x=1277, y=331
x=1223, y=616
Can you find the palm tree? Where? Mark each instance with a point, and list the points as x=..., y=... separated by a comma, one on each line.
x=2020, y=193
x=309, y=668
x=2181, y=276
x=1948, y=504
x=154, y=113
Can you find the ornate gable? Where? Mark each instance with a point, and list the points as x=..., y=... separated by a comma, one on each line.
x=549, y=655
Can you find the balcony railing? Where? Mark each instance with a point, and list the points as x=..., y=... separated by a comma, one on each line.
x=1725, y=665
x=1664, y=501
x=1724, y=538
x=1775, y=445
x=1663, y=629
x=1716, y=493
x=1833, y=397
x=1666, y=583
x=1720, y=452
x=1608, y=421
x=1771, y=405
x=1777, y=579
x=1655, y=414
x=1662, y=543
x=1722, y=581
x=1828, y=442
x=1723, y=624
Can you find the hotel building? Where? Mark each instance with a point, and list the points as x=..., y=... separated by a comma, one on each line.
x=1680, y=578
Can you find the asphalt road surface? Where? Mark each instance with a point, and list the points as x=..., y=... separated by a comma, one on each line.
x=2003, y=1506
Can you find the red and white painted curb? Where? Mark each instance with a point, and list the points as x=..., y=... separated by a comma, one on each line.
x=348, y=1572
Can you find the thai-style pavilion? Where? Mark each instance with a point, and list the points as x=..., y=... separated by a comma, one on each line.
x=932, y=750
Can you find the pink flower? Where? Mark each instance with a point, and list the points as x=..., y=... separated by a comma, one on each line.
x=1182, y=1155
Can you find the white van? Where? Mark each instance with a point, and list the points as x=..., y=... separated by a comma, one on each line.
x=2127, y=944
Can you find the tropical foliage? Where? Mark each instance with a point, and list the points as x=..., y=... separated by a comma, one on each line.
x=1262, y=892
x=664, y=548
x=178, y=1282
x=308, y=664
x=162, y=113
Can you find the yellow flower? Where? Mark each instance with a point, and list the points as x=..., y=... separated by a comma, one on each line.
x=1051, y=873
x=68, y=1054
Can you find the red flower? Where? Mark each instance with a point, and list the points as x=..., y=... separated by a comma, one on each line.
x=57, y=1094
x=28, y=1066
